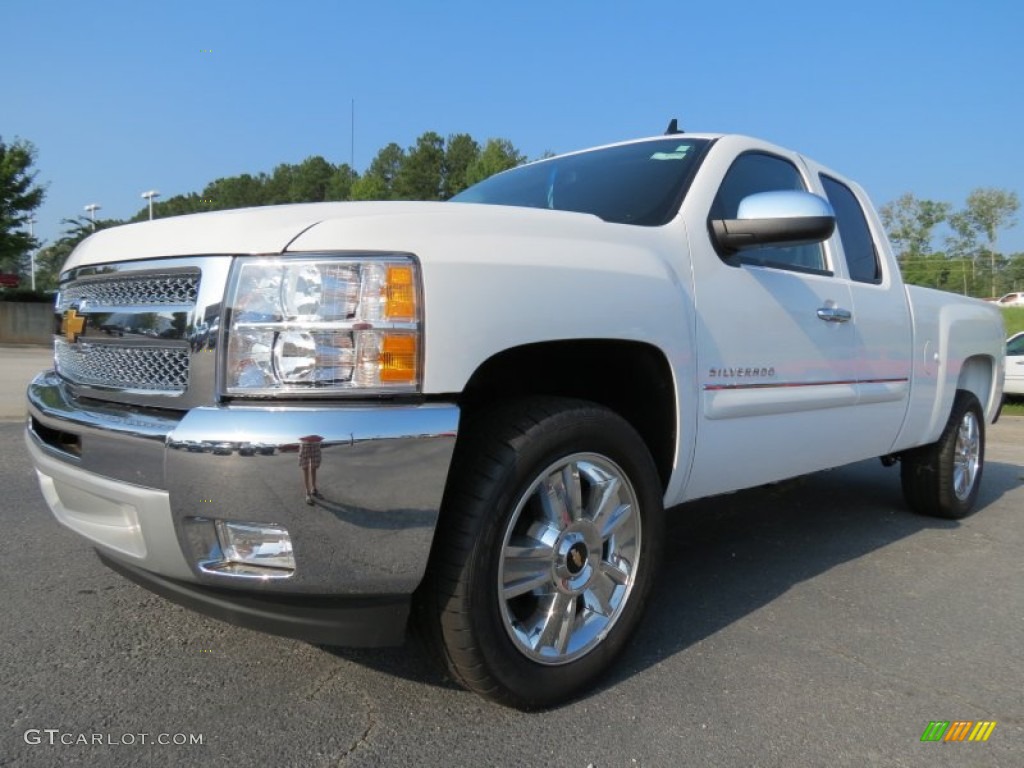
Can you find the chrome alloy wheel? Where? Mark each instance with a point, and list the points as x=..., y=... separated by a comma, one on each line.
x=966, y=456
x=569, y=558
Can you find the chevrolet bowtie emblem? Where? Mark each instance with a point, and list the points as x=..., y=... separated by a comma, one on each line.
x=73, y=325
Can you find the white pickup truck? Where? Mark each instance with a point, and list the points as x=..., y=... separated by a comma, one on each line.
x=321, y=419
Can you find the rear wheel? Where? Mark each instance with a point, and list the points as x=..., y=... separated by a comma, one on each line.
x=942, y=479
x=546, y=550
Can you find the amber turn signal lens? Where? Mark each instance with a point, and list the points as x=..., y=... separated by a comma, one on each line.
x=400, y=294
x=399, y=359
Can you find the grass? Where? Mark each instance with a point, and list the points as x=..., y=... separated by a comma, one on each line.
x=1013, y=406
x=1013, y=317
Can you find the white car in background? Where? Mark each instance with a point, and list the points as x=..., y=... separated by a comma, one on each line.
x=1011, y=300
x=1014, y=384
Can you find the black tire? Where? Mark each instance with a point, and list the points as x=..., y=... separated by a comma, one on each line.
x=495, y=505
x=942, y=479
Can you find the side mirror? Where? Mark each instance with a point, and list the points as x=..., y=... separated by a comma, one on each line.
x=780, y=218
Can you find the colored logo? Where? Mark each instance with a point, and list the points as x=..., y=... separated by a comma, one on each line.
x=958, y=730
x=72, y=326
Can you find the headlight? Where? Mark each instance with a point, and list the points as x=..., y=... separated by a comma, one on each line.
x=317, y=325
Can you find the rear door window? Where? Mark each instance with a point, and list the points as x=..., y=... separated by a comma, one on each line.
x=855, y=235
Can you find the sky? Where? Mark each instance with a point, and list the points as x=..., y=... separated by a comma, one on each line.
x=123, y=97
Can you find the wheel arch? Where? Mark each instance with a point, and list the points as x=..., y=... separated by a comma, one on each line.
x=977, y=376
x=631, y=378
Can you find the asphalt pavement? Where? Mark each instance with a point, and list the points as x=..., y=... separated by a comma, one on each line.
x=812, y=623
x=19, y=363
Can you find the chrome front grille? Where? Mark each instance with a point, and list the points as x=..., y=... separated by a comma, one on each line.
x=124, y=291
x=112, y=366
x=128, y=331
x=142, y=332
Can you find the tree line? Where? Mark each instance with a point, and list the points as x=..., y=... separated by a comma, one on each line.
x=434, y=168
x=936, y=245
x=956, y=250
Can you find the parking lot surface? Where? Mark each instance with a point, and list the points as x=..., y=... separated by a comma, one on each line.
x=811, y=623
x=18, y=364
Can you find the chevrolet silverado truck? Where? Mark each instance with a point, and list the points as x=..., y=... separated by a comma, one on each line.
x=330, y=421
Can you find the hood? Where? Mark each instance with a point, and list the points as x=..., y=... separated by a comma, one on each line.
x=315, y=226
x=267, y=229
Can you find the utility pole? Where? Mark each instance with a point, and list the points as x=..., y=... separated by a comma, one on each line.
x=992, y=263
x=32, y=253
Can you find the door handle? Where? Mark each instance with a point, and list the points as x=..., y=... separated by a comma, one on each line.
x=834, y=314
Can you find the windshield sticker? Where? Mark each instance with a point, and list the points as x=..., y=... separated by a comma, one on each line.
x=679, y=153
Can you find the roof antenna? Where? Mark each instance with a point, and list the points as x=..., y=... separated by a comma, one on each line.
x=673, y=127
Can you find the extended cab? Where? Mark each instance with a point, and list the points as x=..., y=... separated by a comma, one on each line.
x=313, y=418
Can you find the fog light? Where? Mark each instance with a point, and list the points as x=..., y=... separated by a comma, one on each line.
x=256, y=544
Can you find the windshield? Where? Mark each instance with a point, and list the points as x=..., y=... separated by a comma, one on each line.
x=641, y=183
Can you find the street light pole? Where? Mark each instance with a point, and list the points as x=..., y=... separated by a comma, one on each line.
x=32, y=253
x=92, y=208
x=149, y=196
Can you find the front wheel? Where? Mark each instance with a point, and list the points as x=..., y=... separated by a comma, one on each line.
x=546, y=550
x=943, y=479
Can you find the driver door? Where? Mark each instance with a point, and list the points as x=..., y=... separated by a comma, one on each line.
x=774, y=355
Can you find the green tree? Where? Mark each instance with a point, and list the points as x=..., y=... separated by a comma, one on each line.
x=19, y=197
x=370, y=187
x=419, y=176
x=173, y=206
x=339, y=187
x=498, y=155
x=461, y=151
x=1014, y=272
x=244, y=191
x=310, y=180
x=378, y=183
x=977, y=226
x=432, y=169
x=51, y=259
x=911, y=222
x=936, y=270
x=277, y=189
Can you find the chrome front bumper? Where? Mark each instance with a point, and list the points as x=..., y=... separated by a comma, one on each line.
x=145, y=487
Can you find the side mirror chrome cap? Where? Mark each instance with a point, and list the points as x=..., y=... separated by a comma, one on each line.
x=784, y=204
x=778, y=218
